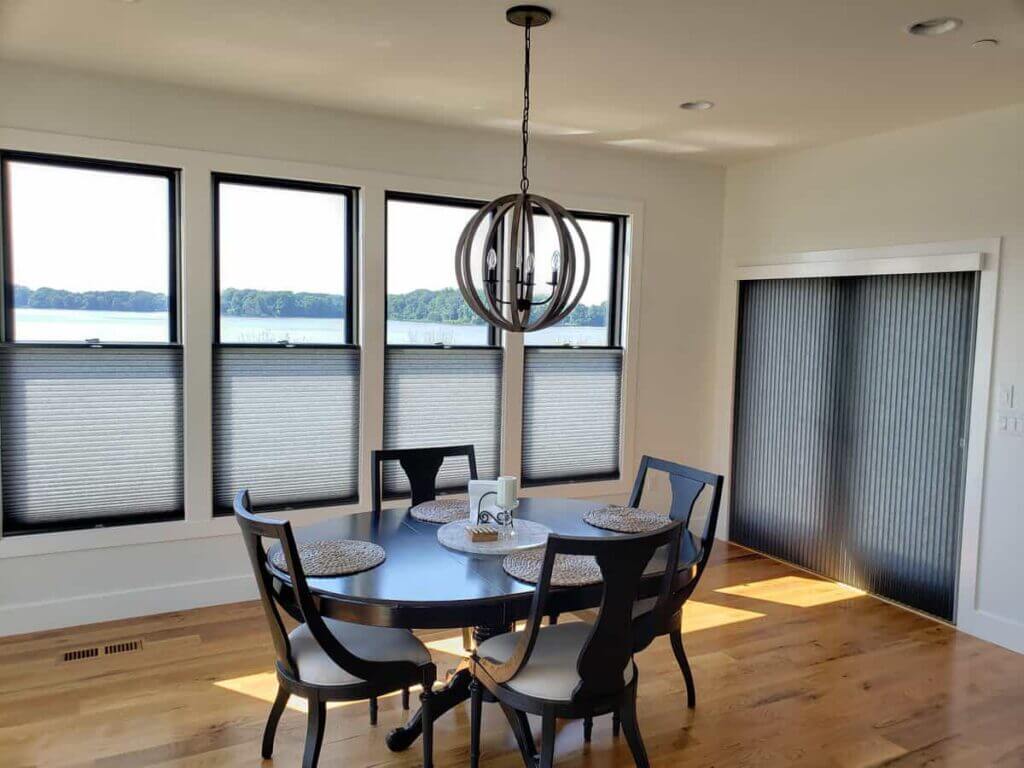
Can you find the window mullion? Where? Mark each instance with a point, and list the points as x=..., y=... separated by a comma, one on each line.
x=372, y=329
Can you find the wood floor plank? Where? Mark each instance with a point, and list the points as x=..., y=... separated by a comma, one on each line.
x=791, y=671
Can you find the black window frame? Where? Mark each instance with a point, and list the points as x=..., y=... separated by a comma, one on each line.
x=172, y=175
x=615, y=284
x=7, y=321
x=620, y=226
x=493, y=334
x=351, y=334
x=350, y=261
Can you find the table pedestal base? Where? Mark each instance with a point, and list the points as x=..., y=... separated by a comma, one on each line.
x=456, y=691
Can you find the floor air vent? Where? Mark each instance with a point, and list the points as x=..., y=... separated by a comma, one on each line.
x=81, y=653
x=125, y=646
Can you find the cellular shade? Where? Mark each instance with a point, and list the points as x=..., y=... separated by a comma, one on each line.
x=89, y=436
x=436, y=397
x=850, y=428
x=571, y=409
x=285, y=425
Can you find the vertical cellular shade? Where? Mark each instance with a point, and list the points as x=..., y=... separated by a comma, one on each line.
x=435, y=397
x=89, y=435
x=571, y=408
x=850, y=428
x=285, y=425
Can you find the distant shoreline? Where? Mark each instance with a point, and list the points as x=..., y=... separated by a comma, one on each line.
x=425, y=306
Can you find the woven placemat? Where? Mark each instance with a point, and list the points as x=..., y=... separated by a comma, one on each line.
x=441, y=510
x=625, y=519
x=569, y=570
x=331, y=557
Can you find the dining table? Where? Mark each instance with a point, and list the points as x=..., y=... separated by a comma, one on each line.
x=421, y=584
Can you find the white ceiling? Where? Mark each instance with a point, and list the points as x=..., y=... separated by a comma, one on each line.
x=783, y=73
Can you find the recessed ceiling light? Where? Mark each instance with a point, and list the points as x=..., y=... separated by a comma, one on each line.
x=937, y=26
x=985, y=42
x=697, y=106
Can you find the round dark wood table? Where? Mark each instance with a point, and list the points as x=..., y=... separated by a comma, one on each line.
x=424, y=585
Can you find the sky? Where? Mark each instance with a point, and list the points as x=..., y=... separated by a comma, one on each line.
x=90, y=230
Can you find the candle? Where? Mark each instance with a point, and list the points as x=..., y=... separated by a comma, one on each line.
x=506, y=492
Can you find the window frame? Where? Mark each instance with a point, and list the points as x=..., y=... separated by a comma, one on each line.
x=349, y=258
x=494, y=338
x=173, y=177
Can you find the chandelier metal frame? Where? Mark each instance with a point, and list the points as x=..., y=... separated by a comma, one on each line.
x=507, y=252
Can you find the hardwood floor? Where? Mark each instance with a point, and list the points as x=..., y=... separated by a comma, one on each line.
x=790, y=670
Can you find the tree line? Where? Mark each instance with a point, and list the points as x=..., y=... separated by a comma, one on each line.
x=443, y=306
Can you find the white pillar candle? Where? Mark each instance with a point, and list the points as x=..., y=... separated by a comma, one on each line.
x=506, y=492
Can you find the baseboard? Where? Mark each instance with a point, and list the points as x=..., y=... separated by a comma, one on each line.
x=89, y=609
x=995, y=629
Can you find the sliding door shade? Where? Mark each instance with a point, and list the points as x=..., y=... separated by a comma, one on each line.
x=572, y=401
x=435, y=397
x=285, y=425
x=850, y=428
x=90, y=436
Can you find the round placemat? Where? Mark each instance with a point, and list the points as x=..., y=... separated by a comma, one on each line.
x=569, y=570
x=625, y=519
x=331, y=557
x=441, y=510
x=527, y=534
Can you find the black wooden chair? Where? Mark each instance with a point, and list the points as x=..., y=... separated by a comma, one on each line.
x=421, y=466
x=687, y=485
x=323, y=659
x=578, y=669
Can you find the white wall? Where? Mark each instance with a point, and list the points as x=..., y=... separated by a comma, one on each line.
x=960, y=179
x=679, y=205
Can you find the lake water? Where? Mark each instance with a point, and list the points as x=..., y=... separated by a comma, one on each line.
x=78, y=325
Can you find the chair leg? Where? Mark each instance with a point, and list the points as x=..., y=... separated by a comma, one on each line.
x=405, y=698
x=588, y=728
x=676, y=637
x=275, y=717
x=547, y=739
x=476, y=705
x=373, y=710
x=314, y=733
x=632, y=728
x=553, y=619
x=427, y=719
x=616, y=724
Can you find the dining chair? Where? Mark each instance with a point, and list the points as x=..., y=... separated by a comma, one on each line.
x=687, y=484
x=421, y=466
x=323, y=659
x=576, y=669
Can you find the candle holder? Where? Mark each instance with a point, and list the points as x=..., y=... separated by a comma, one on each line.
x=504, y=518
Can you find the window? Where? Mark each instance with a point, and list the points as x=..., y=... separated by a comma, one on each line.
x=572, y=371
x=442, y=366
x=592, y=322
x=90, y=369
x=285, y=374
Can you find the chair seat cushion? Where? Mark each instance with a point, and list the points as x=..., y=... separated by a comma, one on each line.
x=315, y=667
x=640, y=607
x=550, y=672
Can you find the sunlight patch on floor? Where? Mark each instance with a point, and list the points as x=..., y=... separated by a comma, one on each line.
x=698, y=615
x=263, y=686
x=797, y=591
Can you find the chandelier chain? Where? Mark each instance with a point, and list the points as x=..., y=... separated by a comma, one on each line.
x=524, y=183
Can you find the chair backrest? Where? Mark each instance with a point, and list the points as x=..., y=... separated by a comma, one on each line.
x=421, y=466
x=254, y=530
x=609, y=648
x=687, y=485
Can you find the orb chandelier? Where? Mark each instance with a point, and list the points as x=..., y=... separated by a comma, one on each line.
x=501, y=239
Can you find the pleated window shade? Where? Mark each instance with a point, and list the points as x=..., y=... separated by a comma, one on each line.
x=285, y=425
x=572, y=401
x=90, y=436
x=850, y=428
x=435, y=397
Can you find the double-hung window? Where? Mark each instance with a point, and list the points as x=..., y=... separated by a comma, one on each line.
x=90, y=363
x=442, y=365
x=572, y=376
x=285, y=369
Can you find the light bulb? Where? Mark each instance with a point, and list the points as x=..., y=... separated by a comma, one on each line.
x=556, y=260
x=492, y=259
